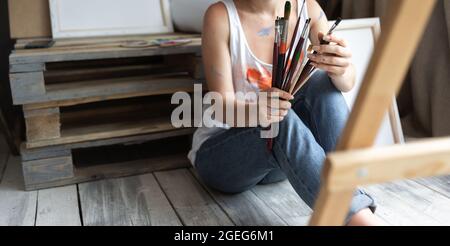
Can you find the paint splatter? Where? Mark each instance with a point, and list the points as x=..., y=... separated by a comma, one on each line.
x=262, y=79
x=265, y=31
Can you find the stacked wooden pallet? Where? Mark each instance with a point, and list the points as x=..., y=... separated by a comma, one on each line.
x=94, y=92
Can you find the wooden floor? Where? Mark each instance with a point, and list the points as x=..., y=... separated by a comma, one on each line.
x=178, y=198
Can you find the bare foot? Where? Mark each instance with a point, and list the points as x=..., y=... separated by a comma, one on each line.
x=365, y=218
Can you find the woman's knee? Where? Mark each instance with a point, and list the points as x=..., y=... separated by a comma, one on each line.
x=228, y=187
x=274, y=176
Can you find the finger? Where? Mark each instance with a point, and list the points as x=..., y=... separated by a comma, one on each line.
x=335, y=39
x=277, y=93
x=332, y=49
x=284, y=112
x=276, y=119
x=270, y=120
x=278, y=112
x=329, y=60
x=282, y=105
x=330, y=69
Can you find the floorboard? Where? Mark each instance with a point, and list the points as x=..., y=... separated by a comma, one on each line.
x=127, y=201
x=191, y=201
x=405, y=204
x=438, y=184
x=178, y=197
x=17, y=207
x=58, y=207
x=245, y=209
x=285, y=202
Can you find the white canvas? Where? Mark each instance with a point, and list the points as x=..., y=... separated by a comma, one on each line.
x=361, y=35
x=87, y=18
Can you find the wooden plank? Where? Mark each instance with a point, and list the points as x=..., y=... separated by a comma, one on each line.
x=47, y=170
x=25, y=68
x=113, y=41
x=245, y=209
x=87, y=53
x=398, y=210
x=17, y=207
x=64, y=149
x=137, y=201
x=193, y=204
x=26, y=85
x=42, y=124
x=116, y=170
x=424, y=199
x=285, y=202
x=378, y=165
x=58, y=207
x=438, y=184
x=77, y=101
x=42, y=153
x=106, y=131
x=66, y=94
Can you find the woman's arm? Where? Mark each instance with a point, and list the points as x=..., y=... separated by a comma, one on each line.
x=218, y=71
x=334, y=58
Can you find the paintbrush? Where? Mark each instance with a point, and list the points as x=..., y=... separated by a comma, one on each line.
x=283, y=47
x=294, y=37
x=309, y=70
x=335, y=25
x=287, y=15
x=322, y=41
x=280, y=59
x=292, y=46
x=299, y=54
x=276, y=47
x=281, y=55
x=297, y=71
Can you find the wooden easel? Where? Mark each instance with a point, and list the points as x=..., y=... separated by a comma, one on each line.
x=352, y=165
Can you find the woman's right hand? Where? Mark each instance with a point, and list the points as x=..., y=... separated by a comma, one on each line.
x=273, y=106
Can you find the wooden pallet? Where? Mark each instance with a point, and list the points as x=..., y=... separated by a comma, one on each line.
x=117, y=157
x=87, y=93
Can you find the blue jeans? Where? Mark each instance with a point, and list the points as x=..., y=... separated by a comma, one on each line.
x=238, y=159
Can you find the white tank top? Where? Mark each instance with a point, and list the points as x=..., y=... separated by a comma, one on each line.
x=249, y=73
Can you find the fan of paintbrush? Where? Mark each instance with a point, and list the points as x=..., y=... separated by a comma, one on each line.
x=291, y=68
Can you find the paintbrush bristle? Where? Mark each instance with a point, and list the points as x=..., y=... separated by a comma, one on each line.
x=287, y=10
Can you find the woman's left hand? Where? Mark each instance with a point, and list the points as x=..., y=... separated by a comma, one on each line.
x=334, y=58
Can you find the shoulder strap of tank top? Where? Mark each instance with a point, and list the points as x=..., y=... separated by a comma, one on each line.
x=232, y=12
